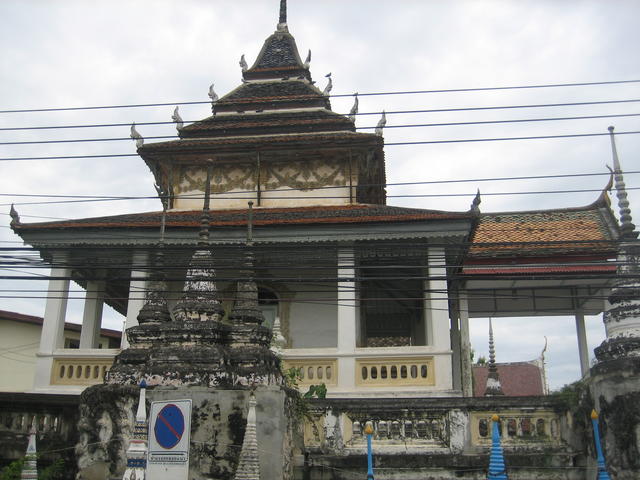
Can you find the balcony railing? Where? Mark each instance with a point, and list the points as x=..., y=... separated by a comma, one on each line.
x=81, y=368
x=394, y=371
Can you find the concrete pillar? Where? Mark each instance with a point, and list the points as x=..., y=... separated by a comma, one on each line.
x=583, y=349
x=137, y=291
x=455, y=359
x=52, y=336
x=436, y=314
x=347, y=319
x=92, y=317
x=465, y=346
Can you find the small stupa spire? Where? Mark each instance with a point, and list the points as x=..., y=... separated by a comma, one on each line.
x=626, y=225
x=30, y=466
x=203, y=240
x=493, y=380
x=249, y=463
x=282, y=20
x=137, y=450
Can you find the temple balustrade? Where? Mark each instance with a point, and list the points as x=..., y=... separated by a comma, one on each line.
x=336, y=425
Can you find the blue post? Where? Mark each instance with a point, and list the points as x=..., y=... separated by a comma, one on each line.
x=497, y=468
x=602, y=468
x=368, y=430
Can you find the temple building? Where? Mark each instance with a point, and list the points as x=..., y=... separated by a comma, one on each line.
x=370, y=299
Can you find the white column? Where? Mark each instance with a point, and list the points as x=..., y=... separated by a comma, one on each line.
x=465, y=346
x=436, y=305
x=583, y=349
x=52, y=336
x=92, y=317
x=137, y=290
x=347, y=319
x=455, y=358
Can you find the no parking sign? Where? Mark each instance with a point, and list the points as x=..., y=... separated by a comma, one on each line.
x=170, y=424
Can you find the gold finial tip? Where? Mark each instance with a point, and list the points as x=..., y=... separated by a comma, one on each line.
x=495, y=418
x=368, y=429
x=594, y=414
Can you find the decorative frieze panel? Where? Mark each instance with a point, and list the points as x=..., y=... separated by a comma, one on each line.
x=517, y=428
x=305, y=175
x=224, y=178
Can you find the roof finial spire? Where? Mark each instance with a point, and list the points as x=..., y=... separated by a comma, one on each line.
x=204, y=220
x=282, y=22
x=626, y=225
x=493, y=380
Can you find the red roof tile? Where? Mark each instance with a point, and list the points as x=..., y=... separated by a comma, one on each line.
x=518, y=379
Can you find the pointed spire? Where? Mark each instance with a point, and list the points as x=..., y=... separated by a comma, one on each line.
x=245, y=308
x=494, y=387
x=204, y=219
x=155, y=309
x=200, y=300
x=249, y=462
x=626, y=225
x=282, y=20
x=138, y=448
x=497, y=468
x=30, y=466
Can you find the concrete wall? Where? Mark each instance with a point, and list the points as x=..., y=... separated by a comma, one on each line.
x=313, y=319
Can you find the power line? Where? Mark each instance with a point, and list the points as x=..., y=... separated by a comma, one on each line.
x=405, y=92
x=418, y=125
x=390, y=112
x=425, y=142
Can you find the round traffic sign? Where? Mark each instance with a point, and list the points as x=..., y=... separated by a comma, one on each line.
x=169, y=426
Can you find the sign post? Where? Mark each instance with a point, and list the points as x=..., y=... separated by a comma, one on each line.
x=169, y=428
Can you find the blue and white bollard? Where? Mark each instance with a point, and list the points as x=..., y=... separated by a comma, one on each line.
x=368, y=430
x=497, y=468
x=602, y=468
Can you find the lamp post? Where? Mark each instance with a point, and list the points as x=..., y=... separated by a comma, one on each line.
x=602, y=468
x=368, y=430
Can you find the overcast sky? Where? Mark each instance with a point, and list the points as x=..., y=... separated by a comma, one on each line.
x=77, y=53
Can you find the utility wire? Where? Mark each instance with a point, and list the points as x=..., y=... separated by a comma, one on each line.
x=406, y=92
x=420, y=125
x=390, y=112
x=425, y=142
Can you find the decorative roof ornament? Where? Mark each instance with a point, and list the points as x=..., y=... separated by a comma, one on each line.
x=354, y=110
x=243, y=64
x=329, y=86
x=307, y=61
x=135, y=135
x=494, y=388
x=626, y=225
x=30, y=466
x=177, y=119
x=381, y=123
x=15, y=218
x=203, y=235
x=213, y=96
x=282, y=19
x=497, y=468
x=475, y=204
x=138, y=448
x=249, y=462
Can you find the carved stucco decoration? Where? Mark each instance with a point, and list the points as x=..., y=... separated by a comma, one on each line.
x=306, y=175
x=224, y=178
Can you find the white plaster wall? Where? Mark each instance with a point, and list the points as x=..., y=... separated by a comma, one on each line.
x=19, y=343
x=314, y=325
x=237, y=198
